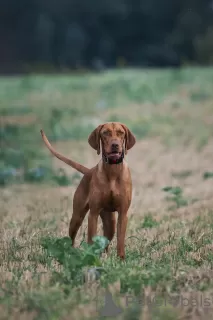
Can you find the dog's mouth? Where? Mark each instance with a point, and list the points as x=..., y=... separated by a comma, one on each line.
x=114, y=155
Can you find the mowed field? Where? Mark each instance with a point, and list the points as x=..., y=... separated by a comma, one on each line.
x=168, y=271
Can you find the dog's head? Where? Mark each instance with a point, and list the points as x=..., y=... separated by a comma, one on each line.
x=114, y=137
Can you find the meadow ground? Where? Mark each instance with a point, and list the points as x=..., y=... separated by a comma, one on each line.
x=168, y=272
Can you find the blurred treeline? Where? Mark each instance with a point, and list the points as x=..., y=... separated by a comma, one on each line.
x=104, y=33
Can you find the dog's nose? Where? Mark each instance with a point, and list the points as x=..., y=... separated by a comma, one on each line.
x=115, y=145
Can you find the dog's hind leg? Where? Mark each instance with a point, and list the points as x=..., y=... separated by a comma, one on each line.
x=80, y=209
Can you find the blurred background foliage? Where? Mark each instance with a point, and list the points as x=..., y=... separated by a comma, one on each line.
x=77, y=34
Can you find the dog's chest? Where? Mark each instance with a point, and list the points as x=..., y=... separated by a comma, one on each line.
x=112, y=196
x=113, y=189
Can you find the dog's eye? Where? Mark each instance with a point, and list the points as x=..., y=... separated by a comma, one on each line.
x=120, y=133
x=106, y=133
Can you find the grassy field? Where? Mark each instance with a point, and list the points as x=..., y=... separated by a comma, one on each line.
x=168, y=272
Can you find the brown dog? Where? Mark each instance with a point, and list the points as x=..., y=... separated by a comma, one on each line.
x=105, y=188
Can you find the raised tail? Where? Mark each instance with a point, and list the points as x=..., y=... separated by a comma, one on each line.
x=71, y=163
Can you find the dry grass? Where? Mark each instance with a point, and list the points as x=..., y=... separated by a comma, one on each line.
x=169, y=242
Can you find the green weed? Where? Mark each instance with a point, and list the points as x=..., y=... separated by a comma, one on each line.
x=176, y=196
x=207, y=175
x=149, y=222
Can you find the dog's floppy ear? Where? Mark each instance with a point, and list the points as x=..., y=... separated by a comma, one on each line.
x=94, y=138
x=129, y=138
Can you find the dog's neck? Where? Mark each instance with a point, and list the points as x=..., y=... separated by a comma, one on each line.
x=112, y=169
x=112, y=172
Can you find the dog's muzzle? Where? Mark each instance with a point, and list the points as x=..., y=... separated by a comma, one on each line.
x=113, y=161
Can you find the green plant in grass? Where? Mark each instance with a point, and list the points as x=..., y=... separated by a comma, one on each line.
x=149, y=222
x=176, y=196
x=207, y=175
x=73, y=260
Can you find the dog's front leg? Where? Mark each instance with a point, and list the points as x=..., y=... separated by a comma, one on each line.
x=92, y=224
x=121, y=232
